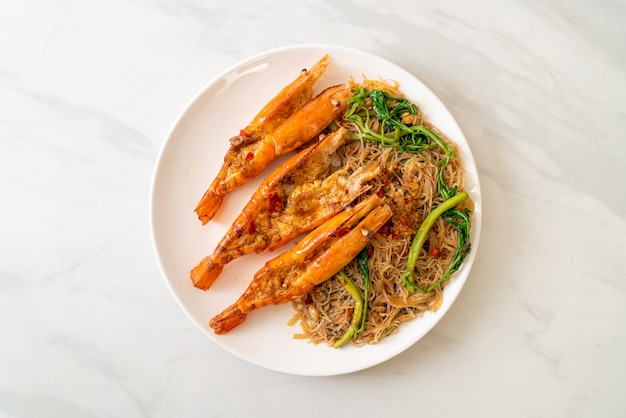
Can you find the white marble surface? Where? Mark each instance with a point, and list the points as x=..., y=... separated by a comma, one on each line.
x=88, y=92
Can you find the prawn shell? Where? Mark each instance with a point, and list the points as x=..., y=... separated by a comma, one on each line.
x=289, y=100
x=310, y=265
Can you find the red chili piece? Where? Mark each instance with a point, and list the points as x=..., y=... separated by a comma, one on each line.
x=275, y=203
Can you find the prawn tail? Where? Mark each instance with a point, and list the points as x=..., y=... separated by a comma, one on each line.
x=230, y=318
x=208, y=206
x=206, y=272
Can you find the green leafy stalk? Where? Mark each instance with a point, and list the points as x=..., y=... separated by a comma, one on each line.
x=358, y=309
x=444, y=190
x=362, y=259
x=420, y=238
x=461, y=222
x=393, y=132
x=388, y=115
x=389, y=111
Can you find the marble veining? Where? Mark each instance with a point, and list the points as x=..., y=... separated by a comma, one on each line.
x=88, y=94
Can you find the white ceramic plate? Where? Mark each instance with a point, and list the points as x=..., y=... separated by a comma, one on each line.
x=188, y=162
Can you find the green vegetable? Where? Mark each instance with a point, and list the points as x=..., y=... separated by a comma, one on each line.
x=362, y=259
x=389, y=111
x=358, y=309
x=444, y=190
x=459, y=220
x=381, y=102
x=422, y=232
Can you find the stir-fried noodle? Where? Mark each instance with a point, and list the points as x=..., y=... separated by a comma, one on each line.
x=410, y=185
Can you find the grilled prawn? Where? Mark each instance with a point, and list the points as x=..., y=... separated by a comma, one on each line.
x=315, y=259
x=285, y=123
x=288, y=101
x=298, y=196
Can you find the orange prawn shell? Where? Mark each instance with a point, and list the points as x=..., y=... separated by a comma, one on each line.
x=312, y=261
x=255, y=148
